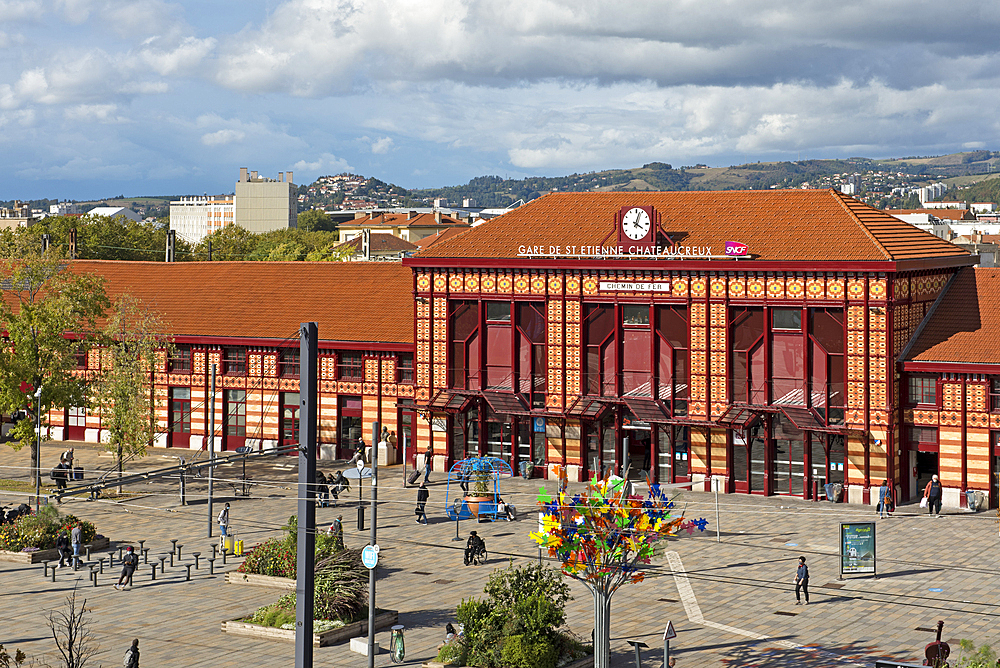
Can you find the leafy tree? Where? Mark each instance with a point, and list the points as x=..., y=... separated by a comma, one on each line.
x=104, y=238
x=316, y=220
x=133, y=337
x=232, y=242
x=42, y=301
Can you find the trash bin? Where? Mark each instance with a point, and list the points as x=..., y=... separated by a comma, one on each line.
x=972, y=500
x=828, y=490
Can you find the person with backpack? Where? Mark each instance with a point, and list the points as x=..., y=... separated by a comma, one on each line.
x=130, y=562
x=932, y=492
x=224, y=522
x=322, y=490
x=132, y=655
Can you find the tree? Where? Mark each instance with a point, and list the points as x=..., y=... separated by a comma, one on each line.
x=49, y=314
x=602, y=536
x=133, y=337
x=232, y=242
x=70, y=629
x=104, y=238
x=316, y=220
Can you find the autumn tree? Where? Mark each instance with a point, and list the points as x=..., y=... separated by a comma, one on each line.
x=50, y=315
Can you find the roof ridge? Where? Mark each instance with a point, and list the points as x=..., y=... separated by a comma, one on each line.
x=843, y=199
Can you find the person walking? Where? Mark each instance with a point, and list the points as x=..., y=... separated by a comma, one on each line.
x=338, y=484
x=422, y=495
x=802, y=581
x=130, y=562
x=61, y=473
x=132, y=655
x=76, y=538
x=884, y=500
x=67, y=457
x=428, y=460
x=322, y=490
x=62, y=545
x=932, y=492
x=337, y=531
x=224, y=522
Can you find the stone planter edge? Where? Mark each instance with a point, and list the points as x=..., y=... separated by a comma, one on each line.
x=382, y=621
x=39, y=556
x=235, y=577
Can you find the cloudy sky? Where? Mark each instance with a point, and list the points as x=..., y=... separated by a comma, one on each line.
x=107, y=97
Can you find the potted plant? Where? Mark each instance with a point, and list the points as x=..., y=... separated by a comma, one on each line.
x=481, y=477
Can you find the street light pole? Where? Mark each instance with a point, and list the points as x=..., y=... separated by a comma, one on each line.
x=38, y=447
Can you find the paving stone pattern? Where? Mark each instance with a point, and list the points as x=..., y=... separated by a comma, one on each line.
x=742, y=586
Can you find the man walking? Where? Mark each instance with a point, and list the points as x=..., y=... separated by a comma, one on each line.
x=428, y=459
x=132, y=655
x=224, y=522
x=933, y=494
x=802, y=581
x=422, y=495
x=62, y=545
x=76, y=538
x=130, y=562
x=884, y=500
x=337, y=531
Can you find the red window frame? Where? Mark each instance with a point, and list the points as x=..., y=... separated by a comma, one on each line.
x=404, y=368
x=289, y=362
x=994, y=390
x=179, y=359
x=923, y=383
x=350, y=365
x=234, y=361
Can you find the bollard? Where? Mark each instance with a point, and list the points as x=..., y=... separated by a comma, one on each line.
x=145, y=554
x=214, y=548
x=196, y=555
x=93, y=574
x=101, y=563
x=153, y=566
x=140, y=544
x=121, y=548
x=225, y=553
x=111, y=559
x=179, y=552
x=173, y=541
x=211, y=565
x=163, y=568
x=53, y=573
x=188, y=577
x=45, y=567
x=171, y=560
x=88, y=552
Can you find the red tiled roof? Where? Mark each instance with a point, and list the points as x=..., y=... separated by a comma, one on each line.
x=351, y=301
x=809, y=225
x=438, y=237
x=400, y=220
x=944, y=214
x=965, y=327
x=381, y=242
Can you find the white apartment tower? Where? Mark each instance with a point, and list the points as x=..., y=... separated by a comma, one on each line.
x=194, y=218
x=264, y=204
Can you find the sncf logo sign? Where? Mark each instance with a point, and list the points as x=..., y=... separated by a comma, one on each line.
x=736, y=248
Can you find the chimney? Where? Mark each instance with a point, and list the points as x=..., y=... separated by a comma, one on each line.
x=437, y=216
x=281, y=177
x=243, y=174
x=288, y=177
x=253, y=176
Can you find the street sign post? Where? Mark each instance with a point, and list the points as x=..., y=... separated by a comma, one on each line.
x=369, y=556
x=668, y=633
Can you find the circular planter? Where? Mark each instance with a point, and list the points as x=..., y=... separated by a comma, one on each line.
x=474, y=501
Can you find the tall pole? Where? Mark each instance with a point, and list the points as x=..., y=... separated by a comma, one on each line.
x=374, y=541
x=306, y=546
x=211, y=452
x=38, y=447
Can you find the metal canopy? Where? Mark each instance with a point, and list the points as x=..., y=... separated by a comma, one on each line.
x=739, y=416
x=449, y=401
x=506, y=402
x=806, y=419
x=647, y=410
x=589, y=407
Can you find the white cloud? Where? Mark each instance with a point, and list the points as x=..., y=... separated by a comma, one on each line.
x=220, y=137
x=327, y=163
x=103, y=113
x=381, y=145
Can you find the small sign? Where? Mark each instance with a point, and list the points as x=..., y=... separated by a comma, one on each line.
x=669, y=632
x=857, y=547
x=735, y=248
x=539, y=425
x=369, y=556
x=243, y=449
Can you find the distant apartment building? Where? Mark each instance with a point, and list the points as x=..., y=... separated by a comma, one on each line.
x=194, y=218
x=64, y=209
x=263, y=204
x=18, y=215
x=259, y=204
x=928, y=194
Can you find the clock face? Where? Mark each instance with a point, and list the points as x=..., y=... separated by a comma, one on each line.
x=636, y=224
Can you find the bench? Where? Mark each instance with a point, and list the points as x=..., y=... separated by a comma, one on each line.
x=242, y=486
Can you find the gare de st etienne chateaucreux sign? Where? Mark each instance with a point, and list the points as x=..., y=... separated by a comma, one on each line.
x=733, y=249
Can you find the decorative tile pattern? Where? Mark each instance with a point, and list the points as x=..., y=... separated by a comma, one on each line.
x=197, y=362
x=776, y=288
x=440, y=282
x=679, y=286
x=572, y=285
x=737, y=287
x=855, y=288
x=835, y=288
x=698, y=287
x=590, y=285
x=877, y=289
x=270, y=362
x=555, y=284
x=504, y=283
x=717, y=287
x=471, y=282
x=815, y=288
x=755, y=287
x=538, y=285
x=975, y=397
x=795, y=288
x=521, y=284
x=698, y=315
x=979, y=420
x=456, y=283
x=951, y=396
x=423, y=282
x=489, y=283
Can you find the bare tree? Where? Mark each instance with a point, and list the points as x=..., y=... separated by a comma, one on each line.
x=71, y=630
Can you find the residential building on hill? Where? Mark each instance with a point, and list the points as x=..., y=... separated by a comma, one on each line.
x=410, y=226
x=782, y=341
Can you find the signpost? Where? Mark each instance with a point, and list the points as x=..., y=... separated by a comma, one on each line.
x=857, y=548
x=369, y=556
x=668, y=633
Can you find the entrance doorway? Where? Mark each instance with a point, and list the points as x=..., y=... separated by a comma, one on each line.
x=789, y=457
x=290, y=418
x=927, y=466
x=672, y=448
x=758, y=456
x=995, y=469
x=349, y=428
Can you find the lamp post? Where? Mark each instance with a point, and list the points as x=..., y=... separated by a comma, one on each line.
x=38, y=446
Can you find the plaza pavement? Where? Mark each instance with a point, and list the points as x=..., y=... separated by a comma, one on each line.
x=731, y=603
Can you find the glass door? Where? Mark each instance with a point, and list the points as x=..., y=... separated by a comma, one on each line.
x=289, y=418
x=741, y=462
x=789, y=457
x=664, y=457
x=758, y=456
x=235, y=411
x=349, y=427
x=180, y=417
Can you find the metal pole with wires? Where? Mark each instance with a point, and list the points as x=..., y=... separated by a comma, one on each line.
x=211, y=451
x=373, y=543
x=306, y=535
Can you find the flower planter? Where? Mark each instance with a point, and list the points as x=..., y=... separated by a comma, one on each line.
x=39, y=556
x=235, y=577
x=383, y=620
x=473, y=503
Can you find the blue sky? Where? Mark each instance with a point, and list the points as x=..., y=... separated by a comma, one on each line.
x=143, y=97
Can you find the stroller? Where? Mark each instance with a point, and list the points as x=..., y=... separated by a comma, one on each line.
x=475, y=550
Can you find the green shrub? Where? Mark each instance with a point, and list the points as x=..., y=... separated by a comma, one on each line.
x=40, y=531
x=276, y=556
x=524, y=651
x=984, y=657
x=453, y=653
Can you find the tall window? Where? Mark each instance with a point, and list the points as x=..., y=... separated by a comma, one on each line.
x=180, y=410
x=826, y=363
x=923, y=390
x=179, y=360
x=236, y=413
x=995, y=395
x=76, y=416
x=636, y=350
x=289, y=417
x=499, y=365
x=80, y=357
x=463, y=338
x=289, y=362
x=749, y=375
x=404, y=368
x=601, y=355
x=672, y=357
x=531, y=362
x=234, y=361
x=787, y=357
x=349, y=366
